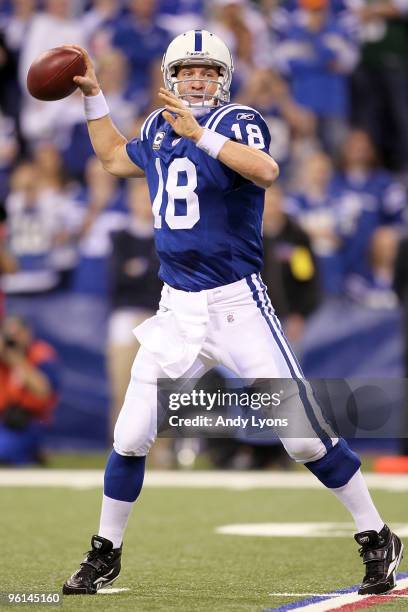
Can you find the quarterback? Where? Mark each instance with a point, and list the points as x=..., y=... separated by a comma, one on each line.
x=207, y=165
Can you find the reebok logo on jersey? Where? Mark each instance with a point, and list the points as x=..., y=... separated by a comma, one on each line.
x=247, y=116
x=158, y=139
x=175, y=141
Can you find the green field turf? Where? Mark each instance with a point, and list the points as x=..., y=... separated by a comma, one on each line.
x=173, y=560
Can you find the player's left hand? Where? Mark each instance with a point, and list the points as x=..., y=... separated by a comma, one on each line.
x=184, y=122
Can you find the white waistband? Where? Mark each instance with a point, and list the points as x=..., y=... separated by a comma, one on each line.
x=176, y=334
x=198, y=299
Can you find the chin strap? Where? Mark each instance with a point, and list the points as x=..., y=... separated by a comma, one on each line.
x=200, y=111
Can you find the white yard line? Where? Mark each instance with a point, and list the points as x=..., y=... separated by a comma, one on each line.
x=111, y=591
x=305, y=594
x=298, y=530
x=322, y=595
x=338, y=600
x=87, y=479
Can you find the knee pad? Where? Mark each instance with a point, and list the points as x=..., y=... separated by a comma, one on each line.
x=136, y=427
x=303, y=450
x=134, y=436
x=337, y=466
x=133, y=443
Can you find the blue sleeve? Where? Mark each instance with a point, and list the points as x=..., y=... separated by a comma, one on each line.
x=136, y=152
x=139, y=150
x=247, y=126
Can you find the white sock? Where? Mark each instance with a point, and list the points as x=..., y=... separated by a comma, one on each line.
x=356, y=497
x=114, y=518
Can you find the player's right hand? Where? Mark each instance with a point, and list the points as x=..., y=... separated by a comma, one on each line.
x=88, y=83
x=184, y=123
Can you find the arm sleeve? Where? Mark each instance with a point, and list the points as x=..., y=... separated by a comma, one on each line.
x=137, y=153
x=246, y=126
x=138, y=149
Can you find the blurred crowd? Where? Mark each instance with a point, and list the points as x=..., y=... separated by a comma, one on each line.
x=330, y=77
x=331, y=80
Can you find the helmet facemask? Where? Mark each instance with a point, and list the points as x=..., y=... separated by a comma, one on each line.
x=203, y=49
x=205, y=100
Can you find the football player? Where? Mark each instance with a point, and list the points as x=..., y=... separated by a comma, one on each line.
x=207, y=165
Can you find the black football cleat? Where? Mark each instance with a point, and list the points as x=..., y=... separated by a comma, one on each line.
x=382, y=554
x=100, y=567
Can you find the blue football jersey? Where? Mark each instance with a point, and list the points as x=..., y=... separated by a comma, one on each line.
x=207, y=218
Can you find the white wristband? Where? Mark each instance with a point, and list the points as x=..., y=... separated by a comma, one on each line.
x=95, y=107
x=211, y=142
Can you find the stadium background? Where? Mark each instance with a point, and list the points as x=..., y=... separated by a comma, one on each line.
x=330, y=78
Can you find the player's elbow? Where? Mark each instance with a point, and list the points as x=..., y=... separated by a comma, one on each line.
x=109, y=167
x=110, y=164
x=268, y=174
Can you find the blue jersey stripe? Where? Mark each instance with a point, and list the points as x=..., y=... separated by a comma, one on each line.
x=224, y=110
x=324, y=436
x=217, y=112
x=144, y=131
x=198, y=40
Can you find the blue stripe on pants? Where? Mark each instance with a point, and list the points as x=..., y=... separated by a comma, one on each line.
x=323, y=435
x=287, y=344
x=275, y=318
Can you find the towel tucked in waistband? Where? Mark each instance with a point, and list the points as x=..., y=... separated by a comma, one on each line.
x=175, y=335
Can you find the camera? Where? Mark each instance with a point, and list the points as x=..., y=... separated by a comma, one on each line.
x=8, y=341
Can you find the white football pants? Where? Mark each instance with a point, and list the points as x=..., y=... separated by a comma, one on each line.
x=244, y=335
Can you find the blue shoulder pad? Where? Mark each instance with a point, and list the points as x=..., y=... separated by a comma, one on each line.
x=242, y=124
x=139, y=149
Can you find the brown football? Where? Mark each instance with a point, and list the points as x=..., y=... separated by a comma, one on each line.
x=50, y=75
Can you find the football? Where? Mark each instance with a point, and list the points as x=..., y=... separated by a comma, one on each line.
x=50, y=75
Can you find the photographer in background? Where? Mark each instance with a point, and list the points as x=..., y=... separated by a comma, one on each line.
x=29, y=383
